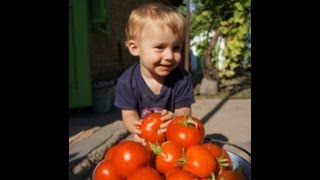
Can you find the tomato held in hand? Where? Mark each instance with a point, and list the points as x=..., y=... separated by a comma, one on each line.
x=150, y=127
x=105, y=170
x=186, y=131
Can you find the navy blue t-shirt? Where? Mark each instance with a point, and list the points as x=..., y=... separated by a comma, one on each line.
x=132, y=92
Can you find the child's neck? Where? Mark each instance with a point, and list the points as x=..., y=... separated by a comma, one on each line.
x=154, y=83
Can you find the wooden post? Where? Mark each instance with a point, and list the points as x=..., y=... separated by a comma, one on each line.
x=187, y=40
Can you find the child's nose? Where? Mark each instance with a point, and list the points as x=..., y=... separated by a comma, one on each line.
x=168, y=54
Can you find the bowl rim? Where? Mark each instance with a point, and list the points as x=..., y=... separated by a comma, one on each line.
x=244, y=163
x=235, y=154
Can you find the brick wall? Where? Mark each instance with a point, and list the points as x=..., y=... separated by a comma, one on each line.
x=108, y=54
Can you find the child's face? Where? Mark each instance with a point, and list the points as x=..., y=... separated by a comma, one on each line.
x=159, y=50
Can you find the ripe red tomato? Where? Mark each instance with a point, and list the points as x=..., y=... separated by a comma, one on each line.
x=182, y=175
x=110, y=152
x=221, y=155
x=166, y=160
x=231, y=175
x=128, y=156
x=186, y=131
x=105, y=170
x=144, y=173
x=199, y=161
x=150, y=127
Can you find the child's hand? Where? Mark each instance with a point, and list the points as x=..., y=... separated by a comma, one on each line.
x=136, y=132
x=138, y=139
x=167, y=117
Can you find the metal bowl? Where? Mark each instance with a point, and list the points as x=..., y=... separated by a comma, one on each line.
x=237, y=161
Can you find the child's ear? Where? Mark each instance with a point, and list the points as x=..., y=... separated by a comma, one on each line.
x=133, y=47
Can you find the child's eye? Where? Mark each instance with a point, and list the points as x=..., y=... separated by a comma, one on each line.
x=176, y=48
x=159, y=47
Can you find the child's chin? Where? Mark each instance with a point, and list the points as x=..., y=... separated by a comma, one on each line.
x=163, y=73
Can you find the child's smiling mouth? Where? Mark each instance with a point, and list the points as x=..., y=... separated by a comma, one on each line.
x=164, y=67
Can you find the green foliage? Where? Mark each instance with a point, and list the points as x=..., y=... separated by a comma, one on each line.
x=235, y=30
x=232, y=18
x=181, y=9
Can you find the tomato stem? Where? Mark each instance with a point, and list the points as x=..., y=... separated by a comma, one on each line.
x=156, y=148
x=213, y=177
x=183, y=160
x=190, y=122
x=223, y=161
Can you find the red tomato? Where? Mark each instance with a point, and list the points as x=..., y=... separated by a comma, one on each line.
x=166, y=160
x=181, y=175
x=105, y=170
x=221, y=155
x=129, y=156
x=110, y=152
x=186, y=131
x=150, y=127
x=144, y=173
x=199, y=161
x=231, y=175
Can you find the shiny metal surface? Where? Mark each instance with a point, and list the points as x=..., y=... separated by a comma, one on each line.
x=239, y=161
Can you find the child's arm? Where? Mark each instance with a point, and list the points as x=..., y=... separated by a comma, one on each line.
x=184, y=111
x=132, y=122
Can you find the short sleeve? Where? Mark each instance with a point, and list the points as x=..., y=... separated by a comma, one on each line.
x=125, y=98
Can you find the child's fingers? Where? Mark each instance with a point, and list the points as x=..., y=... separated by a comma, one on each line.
x=166, y=115
x=139, y=139
x=164, y=112
x=163, y=130
x=137, y=122
x=136, y=131
x=169, y=115
x=165, y=124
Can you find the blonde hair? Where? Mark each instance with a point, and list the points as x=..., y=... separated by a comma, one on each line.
x=158, y=14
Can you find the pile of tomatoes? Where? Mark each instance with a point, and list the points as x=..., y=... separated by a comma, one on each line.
x=180, y=153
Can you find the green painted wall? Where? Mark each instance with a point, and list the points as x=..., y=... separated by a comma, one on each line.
x=80, y=89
